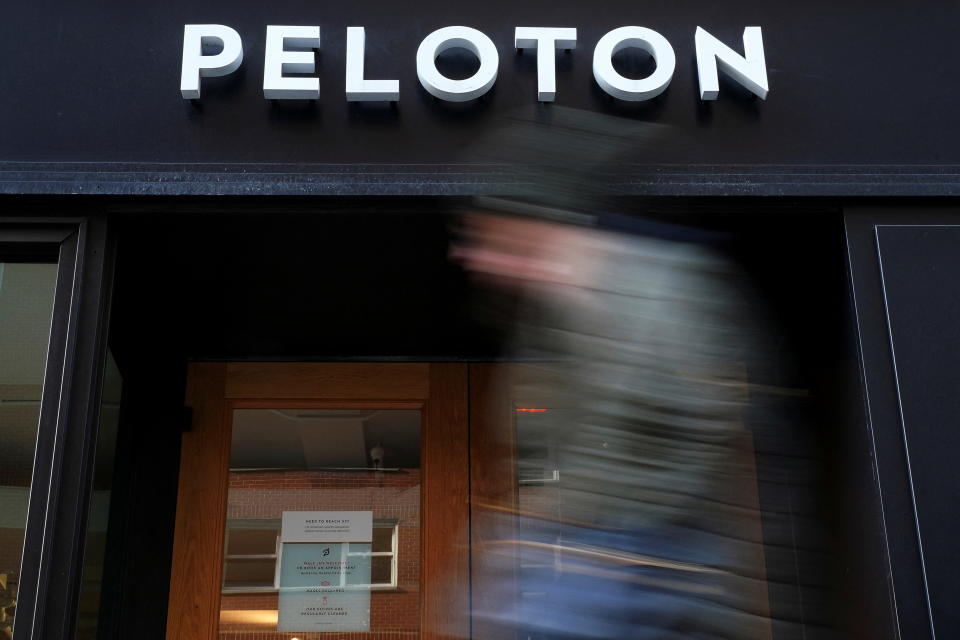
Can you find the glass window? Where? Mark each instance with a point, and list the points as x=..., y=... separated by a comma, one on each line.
x=94, y=556
x=26, y=312
x=323, y=524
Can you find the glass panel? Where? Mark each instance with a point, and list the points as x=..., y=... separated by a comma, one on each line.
x=538, y=496
x=382, y=538
x=252, y=541
x=97, y=520
x=321, y=505
x=731, y=557
x=380, y=570
x=26, y=312
x=248, y=572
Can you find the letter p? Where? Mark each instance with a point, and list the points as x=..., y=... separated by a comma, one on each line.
x=196, y=65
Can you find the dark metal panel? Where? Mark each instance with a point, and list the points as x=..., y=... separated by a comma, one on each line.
x=905, y=558
x=33, y=586
x=60, y=493
x=920, y=265
x=453, y=179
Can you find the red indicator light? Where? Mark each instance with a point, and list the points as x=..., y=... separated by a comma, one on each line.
x=530, y=410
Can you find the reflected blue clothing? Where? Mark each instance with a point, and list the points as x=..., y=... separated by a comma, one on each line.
x=620, y=585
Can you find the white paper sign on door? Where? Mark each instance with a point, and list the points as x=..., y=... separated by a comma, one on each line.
x=325, y=571
x=327, y=526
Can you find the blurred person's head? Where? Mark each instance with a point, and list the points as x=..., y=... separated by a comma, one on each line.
x=516, y=251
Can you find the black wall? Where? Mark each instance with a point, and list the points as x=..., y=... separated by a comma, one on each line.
x=862, y=99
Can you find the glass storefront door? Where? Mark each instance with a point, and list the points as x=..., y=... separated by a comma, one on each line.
x=323, y=523
x=323, y=501
x=408, y=501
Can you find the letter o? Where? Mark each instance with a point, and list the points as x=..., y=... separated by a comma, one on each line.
x=440, y=86
x=626, y=88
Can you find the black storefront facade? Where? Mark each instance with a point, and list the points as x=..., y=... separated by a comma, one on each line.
x=239, y=229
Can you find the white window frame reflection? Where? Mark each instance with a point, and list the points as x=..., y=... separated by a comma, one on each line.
x=394, y=526
x=277, y=555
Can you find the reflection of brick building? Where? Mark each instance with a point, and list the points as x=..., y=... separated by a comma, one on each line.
x=394, y=497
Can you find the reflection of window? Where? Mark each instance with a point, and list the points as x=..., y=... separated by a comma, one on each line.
x=250, y=559
x=251, y=551
x=383, y=552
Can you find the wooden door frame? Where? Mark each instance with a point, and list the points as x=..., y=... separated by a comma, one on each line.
x=440, y=390
x=494, y=499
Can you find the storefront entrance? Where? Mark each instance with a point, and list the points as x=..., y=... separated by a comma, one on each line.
x=349, y=501
x=331, y=379
x=285, y=466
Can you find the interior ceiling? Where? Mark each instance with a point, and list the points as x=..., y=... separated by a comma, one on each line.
x=320, y=439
